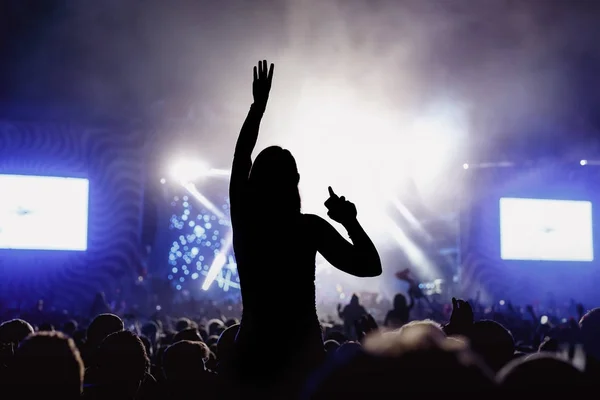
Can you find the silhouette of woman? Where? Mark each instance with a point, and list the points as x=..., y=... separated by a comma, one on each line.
x=275, y=247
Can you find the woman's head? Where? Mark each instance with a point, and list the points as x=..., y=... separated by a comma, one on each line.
x=274, y=181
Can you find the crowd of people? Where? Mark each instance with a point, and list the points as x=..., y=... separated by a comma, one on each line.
x=281, y=349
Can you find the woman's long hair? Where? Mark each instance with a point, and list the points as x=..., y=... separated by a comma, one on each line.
x=273, y=184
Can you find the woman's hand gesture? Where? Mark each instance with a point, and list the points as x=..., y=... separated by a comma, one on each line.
x=340, y=209
x=261, y=86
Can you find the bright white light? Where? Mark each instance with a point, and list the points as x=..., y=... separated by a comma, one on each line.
x=466, y=166
x=163, y=181
x=583, y=162
x=43, y=213
x=219, y=172
x=502, y=302
x=548, y=230
x=217, y=265
x=361, y=145
x=186, y=171
x=544, y=319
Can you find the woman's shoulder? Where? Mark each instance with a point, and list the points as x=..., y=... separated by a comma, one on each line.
x=314, y=222
x=312, y=219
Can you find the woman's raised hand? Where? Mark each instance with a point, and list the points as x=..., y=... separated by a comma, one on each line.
x=261, y=86
x=340, y=209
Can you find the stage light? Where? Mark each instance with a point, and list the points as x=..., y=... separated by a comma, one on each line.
x=502, y=302
x=544, y=320
x=187, y=171
x=163, y=181
x=583, y=162
x=465, y=166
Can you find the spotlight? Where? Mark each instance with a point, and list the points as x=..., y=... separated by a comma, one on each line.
x=186, y=171
x=583, y=162
x=163, y=181
x=465, y=166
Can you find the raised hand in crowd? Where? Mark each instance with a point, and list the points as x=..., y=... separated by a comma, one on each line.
x=461, y=319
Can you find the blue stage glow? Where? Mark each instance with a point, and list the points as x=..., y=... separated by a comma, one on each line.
x=198, y=238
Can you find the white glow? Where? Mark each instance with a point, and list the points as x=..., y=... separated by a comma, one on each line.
x=549, y=230
x=43, y=213
x=218, y=263
x=363, y=146
x=583, y=162
x=219, y=172
x=185, y=171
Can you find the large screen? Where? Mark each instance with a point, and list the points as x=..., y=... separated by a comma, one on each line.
x=546, y=230
x=43, y=213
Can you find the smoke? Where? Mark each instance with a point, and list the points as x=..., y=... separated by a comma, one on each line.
x=522, y=73
x=515, y=65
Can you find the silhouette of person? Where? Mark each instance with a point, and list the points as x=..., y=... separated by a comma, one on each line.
x=400, y=314
x=271, y=237
x=350, y=314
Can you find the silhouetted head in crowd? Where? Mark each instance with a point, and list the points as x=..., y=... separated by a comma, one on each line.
x=147, y=346
x=213, y=339
x=338, y=336
x=122, y=362
x=231, y=321
x=354, y=300
x=400, y=302
x=184, y=361
x=226, y=346
x=215, y=327
x=331, y=346
x=102, y=326
x=70, y=327
x=48, y=364
x=393, y=364
x=151, y=331
x=273, y=182
x=190, y=334
x=46, y=327
x=13, y=331
x=590, y=333
x=543, y=374
x=183, y=323
x=493, y=342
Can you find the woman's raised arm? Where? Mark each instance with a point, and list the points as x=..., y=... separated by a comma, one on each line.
x=242, y=157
